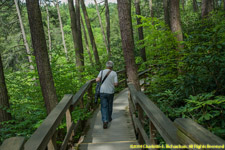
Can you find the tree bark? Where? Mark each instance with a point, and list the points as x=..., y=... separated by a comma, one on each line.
x=41, y=54
x=102, y=29
x=207, y=7
x=56, y=3
x=195, y=6
x=183, y=3
x=175, y=22
x=49, y=32
x=4, y=98
x=86, y=42
x=107, y=17
x=24, y=36
x=90, y=33
x=166, y=12
x=124, y=12
x=224, y=5
x=79, y=31
x=151, y=9
x=75, y=34
x=140, y=29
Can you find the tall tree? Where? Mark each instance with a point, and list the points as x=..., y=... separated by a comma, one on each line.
x=90, y=33
x=41, y=54
x=183, y=3
x=4, y=98
x=49, y=32
x=166, y=12
x=207, y=7
x=151, y=8
x=140, y=29
x=175, y=22
x=86, y=42
x=224, y=5
x=77, y=10
x=195, y=6
x=107, y=17
x=56, y=3
x=76, y=39
x=24, y=35
x=102, y=29
x=124, y=12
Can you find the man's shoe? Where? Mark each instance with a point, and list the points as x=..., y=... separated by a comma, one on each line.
x=110, y=120
x=105, y=124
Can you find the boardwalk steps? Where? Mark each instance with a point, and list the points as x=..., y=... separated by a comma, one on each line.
x=120, y=133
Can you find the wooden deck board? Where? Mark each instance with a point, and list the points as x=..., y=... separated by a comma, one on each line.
x=119, y=134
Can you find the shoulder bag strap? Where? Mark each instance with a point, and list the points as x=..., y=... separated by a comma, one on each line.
x=106, y=76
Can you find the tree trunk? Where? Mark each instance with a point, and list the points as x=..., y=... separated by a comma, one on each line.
x=195, y=6
x=102, y=29
x=56, y=3
x=49, y=32
x=79, y=31
x=90, y=33
x=151, y=8
x=183, y=3
x=140, y=29
x=175, y=22
x=224, y=5
x=4, y=98
x=76, y=37
x=41, y=54
x=107, y=17
x=86, y=42
x=124, y=12
x=166, y=12
x=24, y=36
x=207, y=7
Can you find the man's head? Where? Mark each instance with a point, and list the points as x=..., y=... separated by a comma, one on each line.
x=109, y=64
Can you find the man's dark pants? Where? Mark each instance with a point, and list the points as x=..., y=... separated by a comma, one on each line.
x=106, y=106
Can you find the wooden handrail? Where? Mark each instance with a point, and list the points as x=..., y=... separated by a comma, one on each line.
x=189, y=132
x=180, y=132
x=164, y=125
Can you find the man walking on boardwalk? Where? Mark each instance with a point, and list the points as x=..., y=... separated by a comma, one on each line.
x=109, y=80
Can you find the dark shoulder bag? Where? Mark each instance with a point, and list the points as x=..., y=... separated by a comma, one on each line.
x=98, y=86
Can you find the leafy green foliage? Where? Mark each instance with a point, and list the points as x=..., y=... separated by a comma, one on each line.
x=189, y=82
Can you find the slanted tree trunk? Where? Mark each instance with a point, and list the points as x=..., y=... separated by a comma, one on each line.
x=4, y=98
x=75, y=34
x=151, y=8
x=124, y=12
x=86, y=42
x=56, y=3
x=107, y=17
x=24, y=35
x=195, y=6
x=49, y=32
x=207, y=7
x=140, y=29
x=175, y=22
x=90, y=33
x=166, y=12
x=41, y=54
x=102, y=29
x=79, y=31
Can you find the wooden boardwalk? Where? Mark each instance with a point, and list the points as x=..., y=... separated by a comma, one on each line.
x=119, y=134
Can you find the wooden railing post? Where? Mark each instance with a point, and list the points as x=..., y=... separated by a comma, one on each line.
x=152, y=132
x=140, y=117
x=52, y=142
x=90, y=96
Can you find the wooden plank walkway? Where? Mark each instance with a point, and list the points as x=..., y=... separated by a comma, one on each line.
x=119, y=134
